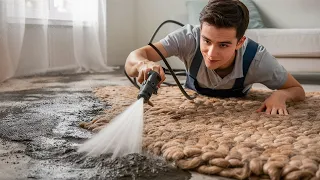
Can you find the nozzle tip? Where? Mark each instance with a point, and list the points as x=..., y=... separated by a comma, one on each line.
x=150, y=103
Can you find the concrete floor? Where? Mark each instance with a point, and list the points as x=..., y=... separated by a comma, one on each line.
x=39, y=117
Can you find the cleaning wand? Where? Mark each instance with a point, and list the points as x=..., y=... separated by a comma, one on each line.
x=149, y=86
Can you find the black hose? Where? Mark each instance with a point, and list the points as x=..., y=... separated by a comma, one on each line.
x=167, y=21
x=174, y=75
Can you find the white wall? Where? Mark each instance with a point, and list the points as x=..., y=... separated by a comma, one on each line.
x=151, y=13
x=131, y=24
x=121, y=30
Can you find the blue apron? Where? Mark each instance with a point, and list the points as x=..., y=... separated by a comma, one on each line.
x=238, y=87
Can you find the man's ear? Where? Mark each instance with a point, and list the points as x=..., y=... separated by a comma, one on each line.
x=240, y=42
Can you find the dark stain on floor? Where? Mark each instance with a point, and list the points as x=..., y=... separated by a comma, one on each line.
x=46, y=122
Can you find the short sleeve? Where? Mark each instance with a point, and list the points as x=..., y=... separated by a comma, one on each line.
x=268, y=71
x=181, y=43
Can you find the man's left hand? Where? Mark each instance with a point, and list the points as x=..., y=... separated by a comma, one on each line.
x=275, y=104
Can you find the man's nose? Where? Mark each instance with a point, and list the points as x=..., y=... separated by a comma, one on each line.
x=212, y=52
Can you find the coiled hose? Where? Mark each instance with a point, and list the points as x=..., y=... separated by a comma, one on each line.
x=174, y=75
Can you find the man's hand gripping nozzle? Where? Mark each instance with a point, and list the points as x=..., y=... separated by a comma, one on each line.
x=149, y=87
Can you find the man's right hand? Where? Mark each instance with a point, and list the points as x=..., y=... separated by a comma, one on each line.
x=142, y=60
x=145, y=66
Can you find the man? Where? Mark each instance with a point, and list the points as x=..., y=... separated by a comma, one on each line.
x=219, y=59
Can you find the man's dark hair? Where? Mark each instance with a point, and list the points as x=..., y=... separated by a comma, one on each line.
x=226, y=14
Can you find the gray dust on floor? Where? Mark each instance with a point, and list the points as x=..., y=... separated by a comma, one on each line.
x=39, y=132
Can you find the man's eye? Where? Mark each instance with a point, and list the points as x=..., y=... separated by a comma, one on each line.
x=206, y=41
x=223, y=45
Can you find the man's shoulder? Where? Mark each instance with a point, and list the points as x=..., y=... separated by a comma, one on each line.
x=182, y=42
x=195, y=28
x=263, y=62
x=187, y=30
x=260, y=50
x=196, y=31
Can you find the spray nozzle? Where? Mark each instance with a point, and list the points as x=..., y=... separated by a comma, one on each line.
x=149, y=86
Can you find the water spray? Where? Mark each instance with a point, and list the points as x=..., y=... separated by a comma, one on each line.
x=124, y=133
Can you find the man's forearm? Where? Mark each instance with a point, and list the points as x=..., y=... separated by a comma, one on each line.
x=292, y=94
x=134, y=60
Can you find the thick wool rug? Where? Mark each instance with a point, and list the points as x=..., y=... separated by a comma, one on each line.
x=225, y=137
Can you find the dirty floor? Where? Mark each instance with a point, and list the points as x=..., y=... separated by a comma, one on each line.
x=39, y=133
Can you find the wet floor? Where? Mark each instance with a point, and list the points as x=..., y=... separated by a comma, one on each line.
x=39, y=130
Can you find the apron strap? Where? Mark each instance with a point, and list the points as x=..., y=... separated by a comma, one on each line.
x=248, y=56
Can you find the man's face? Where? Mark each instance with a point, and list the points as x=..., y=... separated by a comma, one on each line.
x=218, y=46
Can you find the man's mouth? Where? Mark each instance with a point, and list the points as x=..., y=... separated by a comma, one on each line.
x=212, y=61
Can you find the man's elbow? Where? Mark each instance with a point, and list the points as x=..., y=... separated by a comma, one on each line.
x=303, y=94
x=129, y=65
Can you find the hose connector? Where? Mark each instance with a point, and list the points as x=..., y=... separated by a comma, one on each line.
x=149, y=86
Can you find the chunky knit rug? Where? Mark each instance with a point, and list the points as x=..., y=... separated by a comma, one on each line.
x=225, y=137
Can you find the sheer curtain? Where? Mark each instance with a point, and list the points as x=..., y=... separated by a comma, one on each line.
x=39, y=36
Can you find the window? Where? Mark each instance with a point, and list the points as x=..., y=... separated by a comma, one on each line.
x=52, y=9
x=56, y=11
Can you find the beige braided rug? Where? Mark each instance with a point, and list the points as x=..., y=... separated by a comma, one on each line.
x=225, y=137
